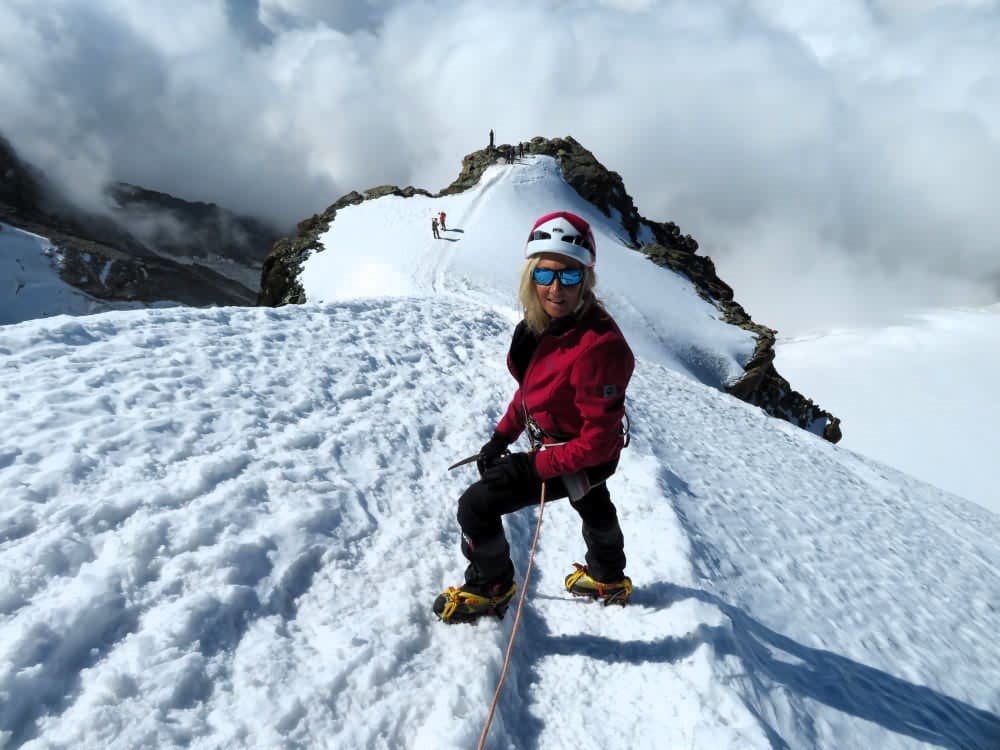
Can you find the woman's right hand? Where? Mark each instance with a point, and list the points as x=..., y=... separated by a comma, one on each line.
x=491, y=452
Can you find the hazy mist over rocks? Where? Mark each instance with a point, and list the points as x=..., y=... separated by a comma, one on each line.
x=838, y=162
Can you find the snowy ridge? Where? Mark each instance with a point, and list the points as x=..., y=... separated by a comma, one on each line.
x=224, y=528
x=384, y=247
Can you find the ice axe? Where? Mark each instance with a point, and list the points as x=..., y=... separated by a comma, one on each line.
x=464, y=461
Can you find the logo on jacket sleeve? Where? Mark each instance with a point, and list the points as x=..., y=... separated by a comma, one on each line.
x=610, y=391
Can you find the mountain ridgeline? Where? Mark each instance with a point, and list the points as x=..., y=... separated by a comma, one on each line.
x=145, y=247
x=662, y=243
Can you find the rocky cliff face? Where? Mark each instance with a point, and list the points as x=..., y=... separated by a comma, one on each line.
x=194, y=232
x=195, y=254
x=662, y=242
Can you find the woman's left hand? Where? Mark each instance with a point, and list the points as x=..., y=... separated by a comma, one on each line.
x=512, y=470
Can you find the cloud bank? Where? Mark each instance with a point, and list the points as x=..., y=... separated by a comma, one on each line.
x=839, y=163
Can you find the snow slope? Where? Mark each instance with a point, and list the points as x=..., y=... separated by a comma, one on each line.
x=224, y=528
x=919, y=395
x=30, y=286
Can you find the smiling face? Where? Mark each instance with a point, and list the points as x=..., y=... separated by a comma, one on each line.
x=557, y=300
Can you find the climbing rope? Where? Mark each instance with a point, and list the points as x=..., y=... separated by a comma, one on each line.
x=517, y=621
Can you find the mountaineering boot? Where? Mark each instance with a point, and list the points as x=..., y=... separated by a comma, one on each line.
x=581, y=583
x=468, y=603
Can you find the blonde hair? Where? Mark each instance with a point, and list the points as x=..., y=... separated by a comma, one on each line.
x=534, y=315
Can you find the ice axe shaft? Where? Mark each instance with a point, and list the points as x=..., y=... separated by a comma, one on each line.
x=464, y=461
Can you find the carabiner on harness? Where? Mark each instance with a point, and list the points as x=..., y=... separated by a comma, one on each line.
x=535, y=434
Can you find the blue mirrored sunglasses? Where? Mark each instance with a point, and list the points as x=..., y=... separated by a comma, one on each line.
x=567, y=276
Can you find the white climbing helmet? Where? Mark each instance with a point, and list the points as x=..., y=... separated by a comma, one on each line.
x=563, y=233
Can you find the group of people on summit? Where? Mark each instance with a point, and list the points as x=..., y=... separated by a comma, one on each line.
x=508, y=152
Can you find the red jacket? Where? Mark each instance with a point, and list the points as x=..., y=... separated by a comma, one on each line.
x=572, y=382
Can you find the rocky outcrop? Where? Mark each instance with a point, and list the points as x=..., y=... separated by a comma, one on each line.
x=761, y=383
x=662, y=242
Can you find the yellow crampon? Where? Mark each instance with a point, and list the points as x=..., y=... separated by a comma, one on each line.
x=575, y=576
x=581, y=583
x=458, y=605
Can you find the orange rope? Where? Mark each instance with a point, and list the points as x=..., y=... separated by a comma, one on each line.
x=517, y=621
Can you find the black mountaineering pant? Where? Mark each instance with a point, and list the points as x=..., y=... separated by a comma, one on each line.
x=481, y=507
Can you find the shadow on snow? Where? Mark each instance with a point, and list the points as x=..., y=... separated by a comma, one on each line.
x=822, y=676
x=841, y=683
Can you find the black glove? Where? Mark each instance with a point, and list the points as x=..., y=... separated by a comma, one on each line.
x=491, y=452
x=512, y=470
